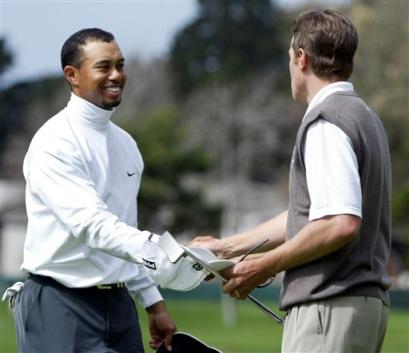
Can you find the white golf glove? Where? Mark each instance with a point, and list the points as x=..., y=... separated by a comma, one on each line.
x=165, y=262
x=12, y=293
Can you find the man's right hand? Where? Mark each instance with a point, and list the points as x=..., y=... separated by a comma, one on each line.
x=166, y=264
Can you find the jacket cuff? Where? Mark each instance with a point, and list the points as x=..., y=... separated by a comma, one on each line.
x=148, y=296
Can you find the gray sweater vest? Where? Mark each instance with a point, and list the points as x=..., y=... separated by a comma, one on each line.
x=359, y=267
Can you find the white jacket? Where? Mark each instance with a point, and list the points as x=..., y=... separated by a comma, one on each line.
x=83, y=174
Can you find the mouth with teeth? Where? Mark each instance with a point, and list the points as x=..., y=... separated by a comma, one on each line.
x=113, y=91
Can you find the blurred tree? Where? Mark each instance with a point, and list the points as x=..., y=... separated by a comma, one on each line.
x=166, y=200
x=17, y=113
x=6, y=57
x=228, y=40
x=248, y=128
x=382, y=77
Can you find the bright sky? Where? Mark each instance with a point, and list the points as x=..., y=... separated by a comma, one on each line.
x=36, y=29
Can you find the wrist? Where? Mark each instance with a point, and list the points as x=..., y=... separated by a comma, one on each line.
x=156, y=308
x=227, y=248
x=271, y=262
x=234, y=246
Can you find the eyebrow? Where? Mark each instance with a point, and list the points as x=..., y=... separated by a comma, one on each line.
x=104, y=62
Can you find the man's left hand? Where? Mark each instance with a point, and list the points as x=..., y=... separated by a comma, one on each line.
x=243, y=278
x=161, y=326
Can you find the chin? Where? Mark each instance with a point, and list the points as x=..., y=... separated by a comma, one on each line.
x=110, y=105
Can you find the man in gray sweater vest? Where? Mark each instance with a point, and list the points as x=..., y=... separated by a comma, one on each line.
x=333, y=242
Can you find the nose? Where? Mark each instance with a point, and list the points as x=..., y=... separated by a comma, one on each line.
x=116, y=74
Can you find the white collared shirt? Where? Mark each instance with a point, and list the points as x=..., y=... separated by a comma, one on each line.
x=331, y=165
x=83, y=174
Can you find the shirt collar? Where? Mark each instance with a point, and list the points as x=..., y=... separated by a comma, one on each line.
x=89, y=113
x=340, y=86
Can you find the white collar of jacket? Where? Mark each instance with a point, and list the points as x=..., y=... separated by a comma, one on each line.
x=89, y=113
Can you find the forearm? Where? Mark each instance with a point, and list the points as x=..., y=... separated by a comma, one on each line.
x=273, y=231
x=317, y=239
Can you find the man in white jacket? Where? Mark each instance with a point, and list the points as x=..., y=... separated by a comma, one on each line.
x=83, y=250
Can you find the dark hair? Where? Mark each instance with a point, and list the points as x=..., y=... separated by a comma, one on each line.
x=71, y=52
x=329, y=39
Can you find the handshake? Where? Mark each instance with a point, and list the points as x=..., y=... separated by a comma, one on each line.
x=175, y=266
x=179, y=267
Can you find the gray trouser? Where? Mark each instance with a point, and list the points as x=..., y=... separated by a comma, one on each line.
x=336, y=325
x=51, y=318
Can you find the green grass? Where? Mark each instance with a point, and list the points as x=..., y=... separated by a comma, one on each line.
x=254, y=332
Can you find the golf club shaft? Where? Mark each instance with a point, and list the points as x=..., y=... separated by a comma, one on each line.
x=266, y=310
x=260, y=305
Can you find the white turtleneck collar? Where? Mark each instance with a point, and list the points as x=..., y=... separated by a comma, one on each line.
x=89, y=113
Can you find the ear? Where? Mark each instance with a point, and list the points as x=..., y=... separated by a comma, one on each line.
x=303, y=59
x=71, y=75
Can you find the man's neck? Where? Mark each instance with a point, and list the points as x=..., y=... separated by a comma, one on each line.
x=314, y=84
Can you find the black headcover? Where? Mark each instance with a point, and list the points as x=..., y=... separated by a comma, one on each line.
x=185, y=343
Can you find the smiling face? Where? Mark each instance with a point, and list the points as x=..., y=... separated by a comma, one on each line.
x=100, y=78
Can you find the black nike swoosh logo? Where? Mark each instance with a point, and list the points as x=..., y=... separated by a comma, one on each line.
x=130, y=174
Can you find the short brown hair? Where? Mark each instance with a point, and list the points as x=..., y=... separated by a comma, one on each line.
x=329, y=39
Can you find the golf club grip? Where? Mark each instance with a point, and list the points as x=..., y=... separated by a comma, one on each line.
x=266, y=310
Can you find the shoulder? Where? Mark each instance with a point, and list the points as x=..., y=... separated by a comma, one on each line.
x=324, y=127
x=344, y=109
x=323, y=134
x=53, y=136
x=344, y=104
x=122, y=135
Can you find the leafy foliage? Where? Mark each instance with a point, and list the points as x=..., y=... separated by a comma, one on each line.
x=165, y=199
x=382, y=77
x=228, y=40
x=15, y=101
x=6, y=57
